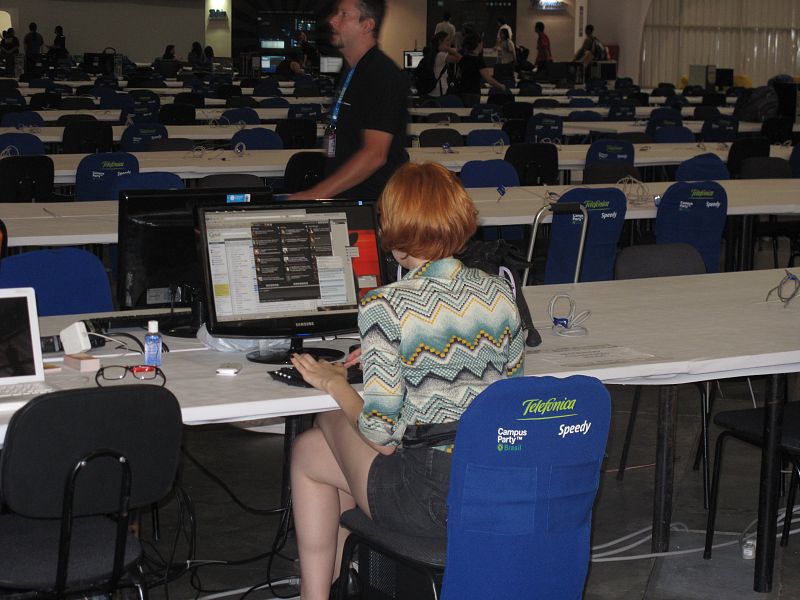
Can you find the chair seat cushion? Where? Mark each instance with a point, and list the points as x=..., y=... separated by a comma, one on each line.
x=748, y=424
x=29, y=552
x=428, y=551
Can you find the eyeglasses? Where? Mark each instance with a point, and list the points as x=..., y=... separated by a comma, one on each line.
x=142, y=372
x=787, y=289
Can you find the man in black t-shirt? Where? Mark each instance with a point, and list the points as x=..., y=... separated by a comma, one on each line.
x=368, y=141
x=33, y=43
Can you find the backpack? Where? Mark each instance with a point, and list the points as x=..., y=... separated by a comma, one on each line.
x=599, y=51
x=424, y=77
x=757, y=104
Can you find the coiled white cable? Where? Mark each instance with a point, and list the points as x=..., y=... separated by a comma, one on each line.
x=568, y=325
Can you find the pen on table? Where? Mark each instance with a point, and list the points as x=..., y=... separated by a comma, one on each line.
x=501, y=191
x=50, y=212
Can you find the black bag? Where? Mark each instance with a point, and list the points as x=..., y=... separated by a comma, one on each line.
x=424, y=77
x=490, y=256
x=599, y=51
x=757, y=104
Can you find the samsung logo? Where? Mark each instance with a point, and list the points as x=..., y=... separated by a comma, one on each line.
x=304, y=324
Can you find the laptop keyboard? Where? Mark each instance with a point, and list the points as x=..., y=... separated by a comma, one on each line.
x=24, y=389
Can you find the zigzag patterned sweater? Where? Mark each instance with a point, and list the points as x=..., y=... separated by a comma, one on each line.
x=431, y=343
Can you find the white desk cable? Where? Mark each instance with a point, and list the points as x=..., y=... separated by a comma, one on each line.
x=635, y=191
x=568, y=325
x=9, y=150
x=121, y=344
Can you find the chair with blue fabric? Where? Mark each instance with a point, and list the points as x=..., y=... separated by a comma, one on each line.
x=118, y=101
x=545, y=103
x=82, y=137
x=487, y=137
x=610, y=150
x=21, y=144
x=485, y=113
x=25, y=118
x=94, y=178
x=581, y=102
x=44, y=101
x=663, y=117
x=722, y=128
x=137, y=137
x=794, y=161
x=12, y=97
x=705, y=167
x=276, y=102
x=606, y=208
x=177, y=113
x=694, y=213
x=542, y=127
x=152, y=180
x=310, y=110
x=622, y=111
x=673, y=134
x=575, y=92
x=67, y=280
x=245, y=115
x=701, y=113
x=584, y=116
x=607, y=97
x=145, y=101
x=101, y=92
x=258, y=138
x=451, y=101
x=488, y=173
x=531, y=489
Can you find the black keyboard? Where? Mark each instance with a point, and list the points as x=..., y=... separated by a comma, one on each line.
x=291, y=376
x=166, y=320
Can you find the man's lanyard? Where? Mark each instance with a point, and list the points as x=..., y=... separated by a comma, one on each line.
x=338, y=105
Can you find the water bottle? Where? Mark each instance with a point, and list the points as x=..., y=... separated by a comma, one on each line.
x=152, y=345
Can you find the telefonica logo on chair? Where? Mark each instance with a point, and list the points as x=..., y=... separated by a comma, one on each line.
x=552, y=408
x=112, y=164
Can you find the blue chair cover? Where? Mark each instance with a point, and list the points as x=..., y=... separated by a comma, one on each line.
x=23, y=118
x=26, y=144
x=675, y=134
x=663, y=117
x=694, y=213
x=524, y=476
x=621, y=111
x=487, y=137
x=274, y=103
x=118, y=100
x=267, y=88
x=488, y=173
x=543, y=127
x=606, y=208
x=137, y=137
x=152, y=180
x=245, y=115
x=584, y=115
x=101, y=91
x=484, y=113
x=581, y=102
x=94, y=179
x=704, y=167
x=619, y=150
x=723, y=128
x=67, y=280
x=311, y=111
x=259, y=138
x=794, y=161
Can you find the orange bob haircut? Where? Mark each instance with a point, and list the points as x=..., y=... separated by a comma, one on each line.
x=426, y=212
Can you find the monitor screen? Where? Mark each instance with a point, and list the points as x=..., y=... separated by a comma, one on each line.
x=290, y=269
x=273, y=44
x=269, y=64
x=98, y=63
x=158, y=264
x=724, y=78
x=330, y=64
x=411, y=58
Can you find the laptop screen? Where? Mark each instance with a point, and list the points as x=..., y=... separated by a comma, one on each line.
x=20, y=350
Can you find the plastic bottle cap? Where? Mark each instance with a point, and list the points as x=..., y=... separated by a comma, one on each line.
x=152, y=327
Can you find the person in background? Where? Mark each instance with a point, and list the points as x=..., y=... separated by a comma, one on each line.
x=32, y=43
x=473, y=69
x=445, y=55
x=544, y=56
x=365, y=142
x=196, y=58
x=423, y=362
x=446, y=26
x=502, y=25
x=208, y=52
x=307, y=50
x=289, y=67
x=169, y=52
x=585, y=52
x=9, y=49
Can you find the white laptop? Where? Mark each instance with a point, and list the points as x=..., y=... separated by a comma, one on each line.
x=21, y=365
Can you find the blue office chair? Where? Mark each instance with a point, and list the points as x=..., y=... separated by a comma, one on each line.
x=487, y=137
x=542, y=127
x=310, y=110
x=145, y=100
x=67, y=280
x=259, y=138
x=581, y=102
x=622, y=111
x=152, y=180
x=137, y=137
x=606, y=208
x=673, y=134
x=94, y=179
x=274, y=103
x=663, y=117
x=117, y=100
x=794, y=161
x=245, y=115
x=694, y=213
x=705, y=167
x=12, y=98
x=22, y=119
x=488, y=173
x=578, y=116
x=450, y=101
x=721, y=128
x=532, y=488
x=484, y=113
x=21, y=144
x=101, y=91
x=616, y=150
x=267, y=88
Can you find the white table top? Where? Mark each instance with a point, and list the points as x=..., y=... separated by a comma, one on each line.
x=642, y=112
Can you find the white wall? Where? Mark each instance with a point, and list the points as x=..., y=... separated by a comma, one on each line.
x=404, y=24
x=621, y=22
x=138, y=28
x=559, y=27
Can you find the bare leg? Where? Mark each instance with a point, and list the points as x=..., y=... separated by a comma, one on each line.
x=325, y=460
x=346, y=502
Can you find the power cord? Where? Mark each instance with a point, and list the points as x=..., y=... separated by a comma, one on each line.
x=568, y=325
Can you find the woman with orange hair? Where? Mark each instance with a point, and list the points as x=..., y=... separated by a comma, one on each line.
x=431, y=343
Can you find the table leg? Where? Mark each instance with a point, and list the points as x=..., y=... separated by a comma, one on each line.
x=292, y=428
x=746, y=244
x=768, y=485
x=665, y=455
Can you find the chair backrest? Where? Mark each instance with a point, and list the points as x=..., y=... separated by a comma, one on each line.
x=21, y=144
x=765, y=167
x=78, y=103
x=67, y=280
x=435, y=138
x=487, y=137
x=85, y=137
x=297, y=133
x=450, y=101
x=694, y=213
x=94, y=178
x=27, y=178
x=622, y=111
x=303, y=170
x=579, y=102
x=794, y=161
x=516, y=129
x=663, y=117
x=442, y=117
x=241, y=102
x=177, y=114
x=777, y=129
x=658, y=260
x=258, y=138
x=614, y=150
x=119, y=100
x=543, y=128
x=713, y=99
x=530, y=88
x=517, y=110
x=191, y=98
x=230, y=180
x=22, y=118
x=635, y=137
x=524, y=476
x=745, y=148
x=609, y=171
x=227, y=90
x=482, y=113
x=675, y=134
x=536, y=164
x=582, y=116
x=701, y=113
x=245, y=115
x=137, y=137
x=546, y=103
x=703, y=167
x=48, y=436
x=488, y=173
x=152, y=180
x=720, y=128
x=45, y=101
x=267, y=88
x=606, y=208
x=274, y=103
x=3, y=239
x=310, y=110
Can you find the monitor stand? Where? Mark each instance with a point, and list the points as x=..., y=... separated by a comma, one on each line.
x=190, y=330
x=282, y=356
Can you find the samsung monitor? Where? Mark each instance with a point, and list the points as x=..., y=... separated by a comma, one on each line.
x=724, y=78
x=269, y=64
x=330, y=65
x=411, y=58
x=289, y=270
x=158, y=265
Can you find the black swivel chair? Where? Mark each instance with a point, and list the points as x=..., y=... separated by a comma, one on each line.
x=196, y=100
x=744, y=148
x=536, y=164
x=87, y=137
x=3, y=240
x=609, y=171
x=78, y=103
x=74, y=464
x=27, y=178
x=297, y=133
x=230, y=180
x=177, y=113
x=303, y=170
x=436, y=138
x=777, y=130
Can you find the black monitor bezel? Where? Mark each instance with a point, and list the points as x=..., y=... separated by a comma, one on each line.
x=305, y=326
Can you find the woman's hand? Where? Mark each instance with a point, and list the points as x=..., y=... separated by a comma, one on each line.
x=353, y=358
x=319, y=373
